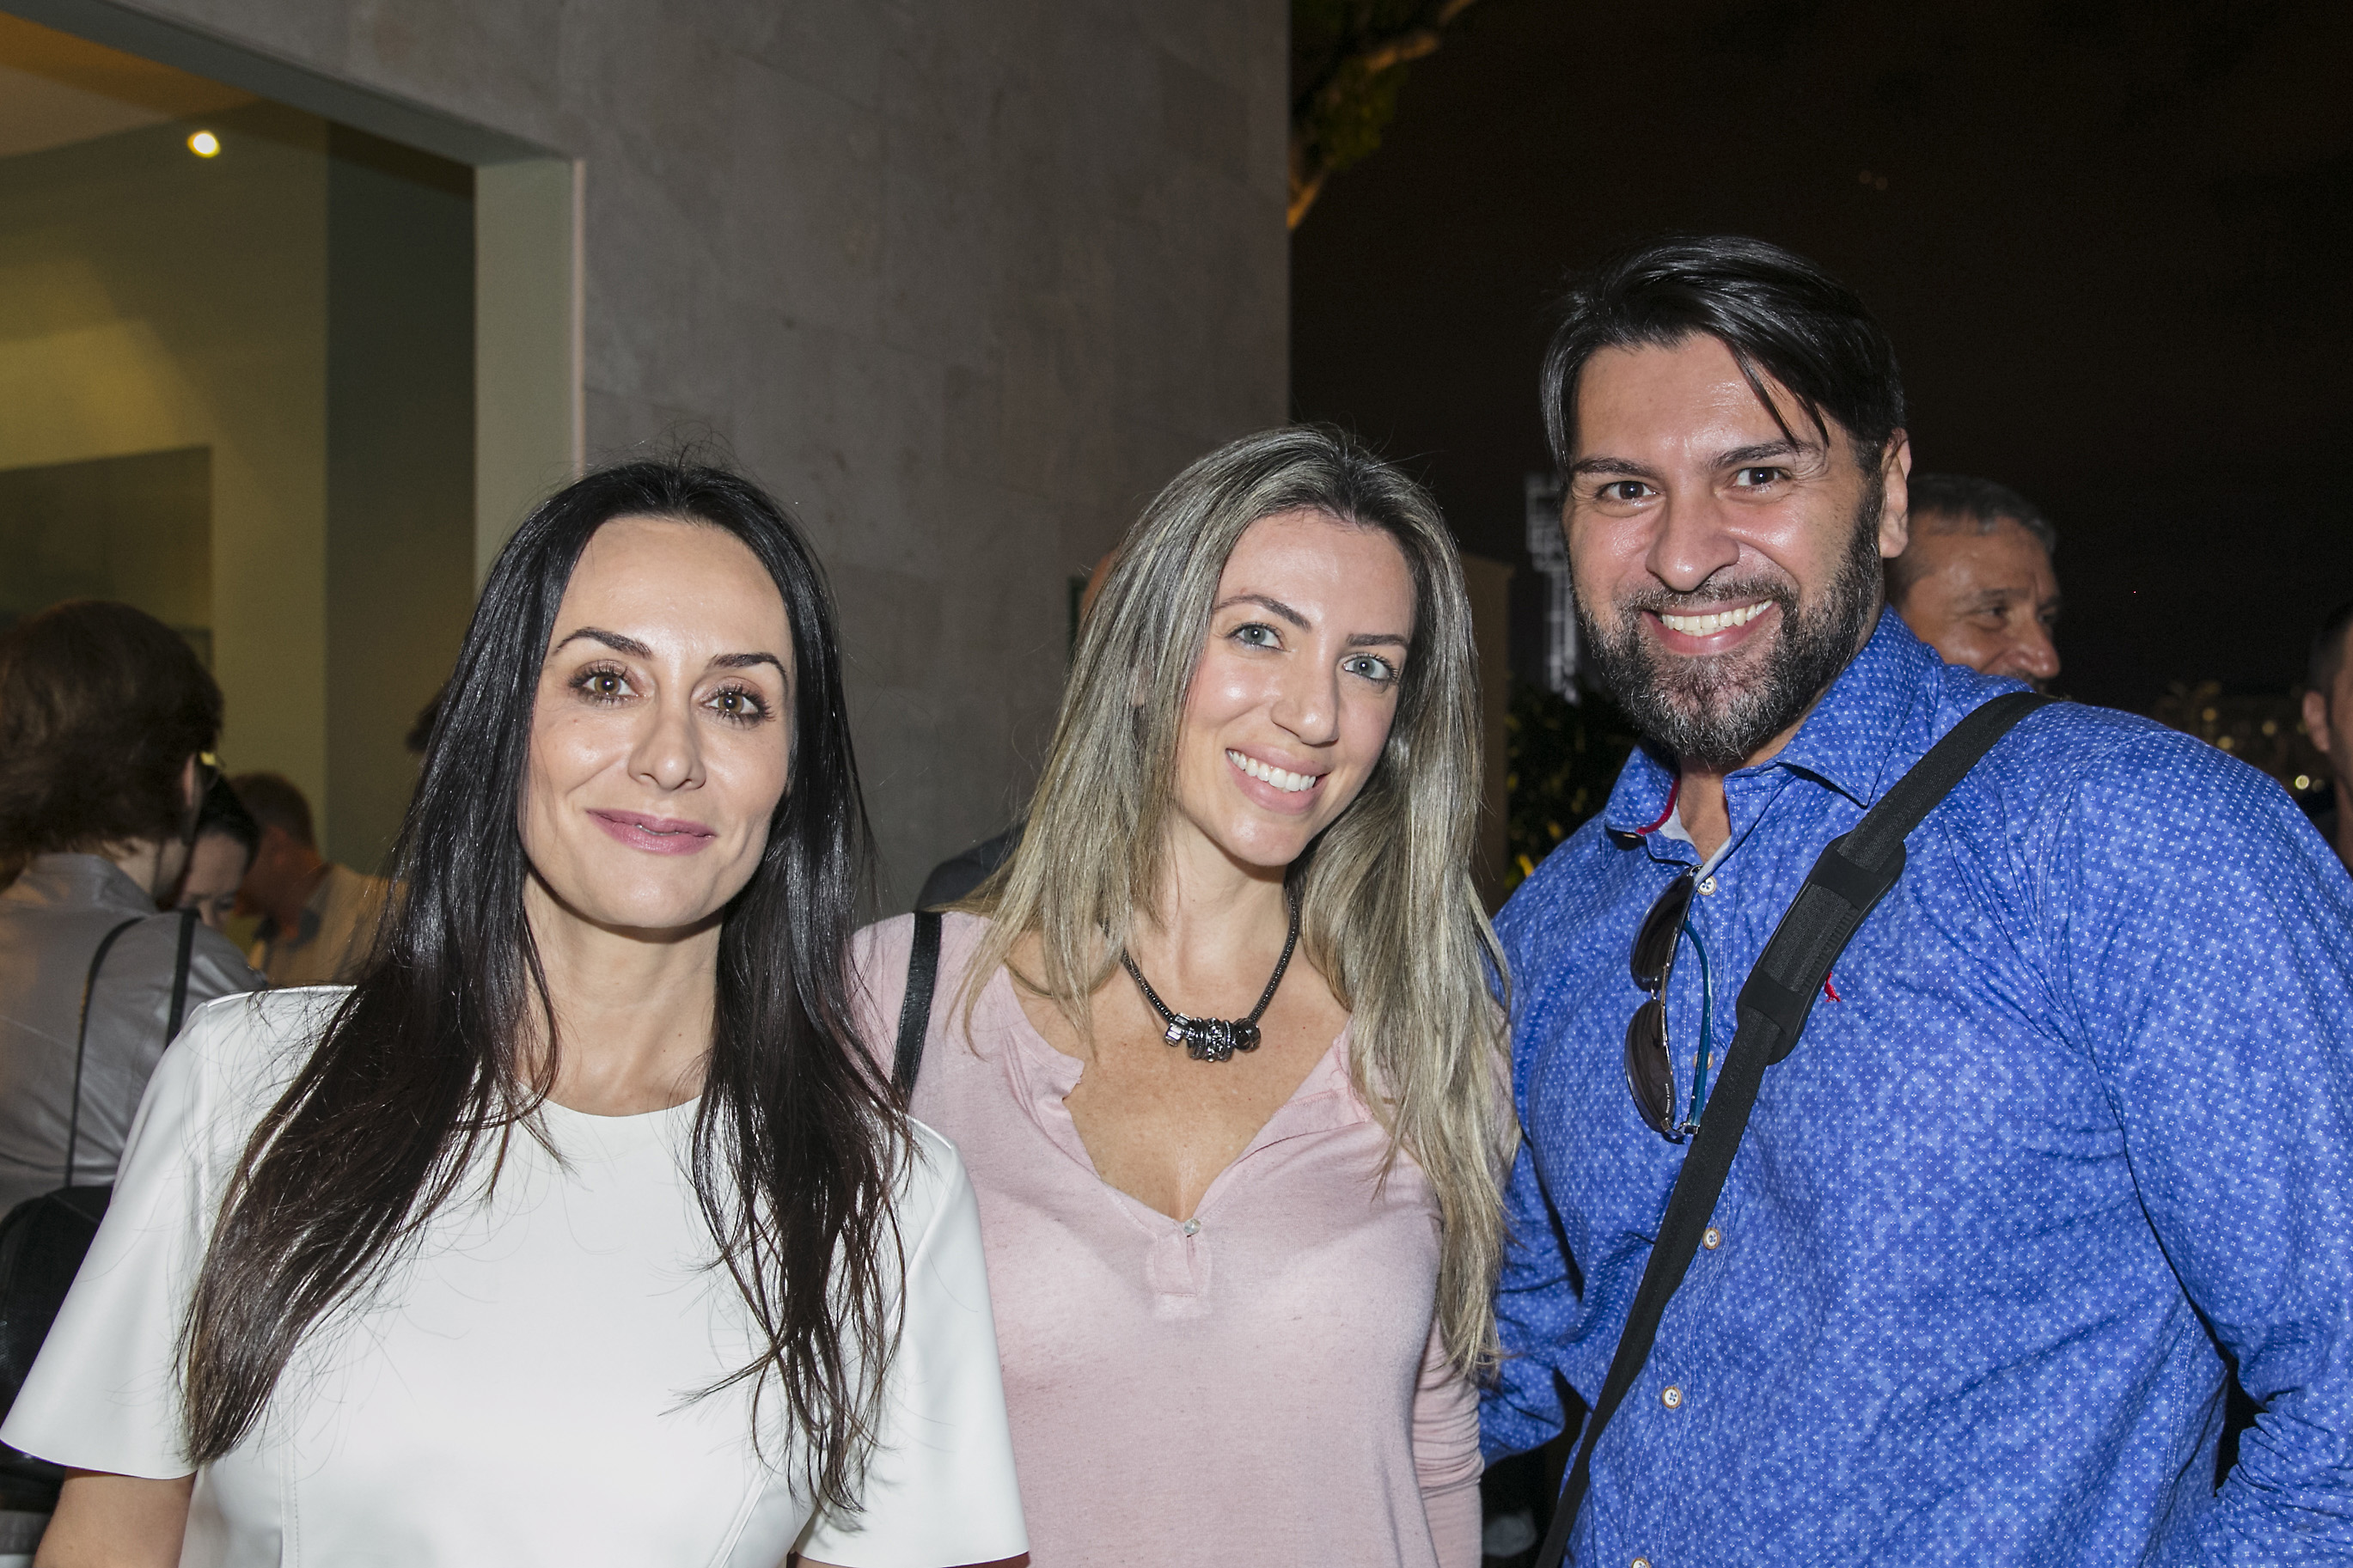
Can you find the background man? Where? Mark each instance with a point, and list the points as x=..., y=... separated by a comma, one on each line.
x=2072, y=1122
x=317, y=918
x=1975, y=582
x=2328, y=720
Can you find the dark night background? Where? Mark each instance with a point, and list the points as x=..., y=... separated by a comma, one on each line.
x=2112, y=249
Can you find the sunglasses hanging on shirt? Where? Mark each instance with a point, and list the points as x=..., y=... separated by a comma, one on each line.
x=1650, y=1059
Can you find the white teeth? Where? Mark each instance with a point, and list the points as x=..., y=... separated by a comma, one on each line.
x=1701, y=626
x=1288, y=783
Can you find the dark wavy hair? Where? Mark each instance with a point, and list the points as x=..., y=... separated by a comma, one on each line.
x=102, y=705
x=225, y=815
x=1779, y=314
x=418, y=1080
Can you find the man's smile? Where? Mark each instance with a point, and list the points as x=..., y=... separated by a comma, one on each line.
x=1689, y=632
x=1715, y=620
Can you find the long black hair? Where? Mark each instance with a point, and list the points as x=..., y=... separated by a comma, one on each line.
x=795, y=1143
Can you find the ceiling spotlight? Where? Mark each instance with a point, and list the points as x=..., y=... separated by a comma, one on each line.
x=204, y=144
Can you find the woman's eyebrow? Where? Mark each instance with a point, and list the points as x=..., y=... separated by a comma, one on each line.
x=1275, y=606
x=613, y=640
x=745, y=661
x=1379, y=640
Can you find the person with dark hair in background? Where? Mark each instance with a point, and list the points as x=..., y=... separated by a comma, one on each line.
x=223, y=850
x=317, y=917
x=1975, y=581
x=107, y=723
x=577, y=1229
x=2328, y=720
x=1932, y=1230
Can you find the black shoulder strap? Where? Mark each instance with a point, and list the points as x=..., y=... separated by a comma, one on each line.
x=82, y=1041
x=180, y=975
x=915, y=1010
x=1847, y=882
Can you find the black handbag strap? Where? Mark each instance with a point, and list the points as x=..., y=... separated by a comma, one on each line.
x=82, y=1041
x=1849, y=878
x=915, y=1008
x=180, y=975
x=81, y=1030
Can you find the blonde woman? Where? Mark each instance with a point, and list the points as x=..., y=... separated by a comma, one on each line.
x=1219, y=1043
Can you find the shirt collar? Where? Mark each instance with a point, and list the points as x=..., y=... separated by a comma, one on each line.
x=90, y=880
x=1875, y=712
x=1866, y=719
x=1639, y=803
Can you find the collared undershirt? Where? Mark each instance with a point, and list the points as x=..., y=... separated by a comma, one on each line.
x=1673, y=827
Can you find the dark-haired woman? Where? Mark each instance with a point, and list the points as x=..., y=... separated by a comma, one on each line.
x=575, y=1231
x=222, y=852
x=105, y=716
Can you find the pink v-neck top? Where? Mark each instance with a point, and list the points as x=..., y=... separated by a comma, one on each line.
x=1260, y=1384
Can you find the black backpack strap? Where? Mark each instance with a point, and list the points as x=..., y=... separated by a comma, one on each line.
x=915, y=1009
x=1847, y=882
x=82, y=1041
x=180, y=975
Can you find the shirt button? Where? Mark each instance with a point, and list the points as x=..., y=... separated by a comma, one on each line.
x=1711, y=1238
x=1672, y=1397
x=1192, y=1227
x=1708, y=885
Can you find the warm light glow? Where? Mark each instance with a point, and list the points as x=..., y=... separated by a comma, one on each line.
x=2304, y=780
x=204, y=144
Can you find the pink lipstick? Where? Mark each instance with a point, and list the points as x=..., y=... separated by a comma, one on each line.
x=655, y=835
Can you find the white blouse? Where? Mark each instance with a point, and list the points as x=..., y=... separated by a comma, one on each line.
x=525, y=1389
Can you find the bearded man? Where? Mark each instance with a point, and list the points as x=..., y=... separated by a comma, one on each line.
x=2069, y=1134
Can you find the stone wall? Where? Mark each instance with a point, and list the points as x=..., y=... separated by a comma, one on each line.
x=963, y=282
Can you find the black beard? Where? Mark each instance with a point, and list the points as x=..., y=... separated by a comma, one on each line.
x=1715, y=713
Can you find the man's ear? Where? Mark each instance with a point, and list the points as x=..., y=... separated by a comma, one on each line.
x=2315, y=719
x=1895, y=496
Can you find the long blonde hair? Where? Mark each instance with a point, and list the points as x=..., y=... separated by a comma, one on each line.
x=1388, y=912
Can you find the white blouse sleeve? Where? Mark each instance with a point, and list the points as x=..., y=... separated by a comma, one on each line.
x=940, y=1489
x=104, y=1393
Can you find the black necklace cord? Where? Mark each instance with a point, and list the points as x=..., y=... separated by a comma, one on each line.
x=1217, y=1039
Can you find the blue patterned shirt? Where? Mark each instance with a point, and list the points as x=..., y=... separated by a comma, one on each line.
x=2078, y=1126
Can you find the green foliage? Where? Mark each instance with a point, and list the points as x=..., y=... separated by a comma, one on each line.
x=1564, y=757
x=1339, y=106
x=1349, y=128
